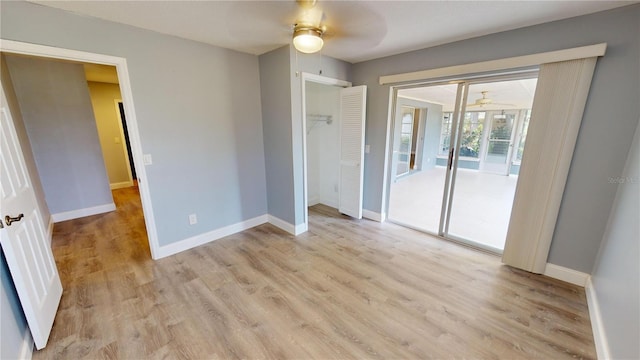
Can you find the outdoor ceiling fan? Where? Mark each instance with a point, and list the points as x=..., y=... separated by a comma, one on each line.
x=485, y=101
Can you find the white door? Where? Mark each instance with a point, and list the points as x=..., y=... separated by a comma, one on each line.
x=352, y=120
x=499, y=146
x=23, y=236
x=406, y=119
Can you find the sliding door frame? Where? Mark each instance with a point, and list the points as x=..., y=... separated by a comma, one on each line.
x=457, y=124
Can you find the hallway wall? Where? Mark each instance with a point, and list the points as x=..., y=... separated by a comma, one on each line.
x=103, y=96
x=58, y=117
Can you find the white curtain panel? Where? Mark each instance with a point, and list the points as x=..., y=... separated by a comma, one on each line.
x=556, y=115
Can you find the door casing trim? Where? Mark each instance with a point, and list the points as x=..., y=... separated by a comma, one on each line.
x=23, y=48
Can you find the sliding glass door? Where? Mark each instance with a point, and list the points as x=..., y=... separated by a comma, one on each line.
x=416, y=196
x=465, y=187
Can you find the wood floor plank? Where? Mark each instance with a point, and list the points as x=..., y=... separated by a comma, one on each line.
x=346, y=289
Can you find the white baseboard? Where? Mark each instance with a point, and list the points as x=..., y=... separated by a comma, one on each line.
x=76, y=214
x=279, y=223
x=313, y=201
x=330, y=203
x=565, y=274
x=372, y=215
x=288, y=227
x=599, y=335
x=189, y=243
x=300, y=228
x=120, y=185
x=26, y=348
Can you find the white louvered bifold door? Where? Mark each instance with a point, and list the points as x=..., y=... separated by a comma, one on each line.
x=23, y=236
x=352, y=120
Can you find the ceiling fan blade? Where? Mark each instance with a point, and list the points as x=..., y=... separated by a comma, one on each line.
x=271, y=17
x=352, y=23
x=491, y=106
x=312, y=16
x=307, y=4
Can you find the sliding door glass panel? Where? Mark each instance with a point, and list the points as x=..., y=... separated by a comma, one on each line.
x=415, y=199
x=472, y=129
x=483, y=186
x=522, y=136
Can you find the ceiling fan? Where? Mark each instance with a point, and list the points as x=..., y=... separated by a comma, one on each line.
x=308, y=29
x=340, y=25
x=345, y=23
x=485, y=101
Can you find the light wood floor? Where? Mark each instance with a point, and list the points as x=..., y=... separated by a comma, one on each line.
x=346, y=289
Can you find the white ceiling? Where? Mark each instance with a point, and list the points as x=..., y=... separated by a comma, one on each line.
x=357, y=30
x=514, y=94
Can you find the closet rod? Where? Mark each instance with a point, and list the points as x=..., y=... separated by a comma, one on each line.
x=321, y=118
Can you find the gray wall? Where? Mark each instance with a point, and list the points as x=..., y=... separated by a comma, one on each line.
x=58, y=116
x=433, y=128
x=25, y=144
x=276, y=118
x=616, y=275
x=281, y=90
x=198, y=113
x=610, y=116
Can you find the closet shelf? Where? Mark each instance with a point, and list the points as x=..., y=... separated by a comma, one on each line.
x=320, y=118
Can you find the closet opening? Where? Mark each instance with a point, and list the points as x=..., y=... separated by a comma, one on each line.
x=333, y=114
x=321, y=106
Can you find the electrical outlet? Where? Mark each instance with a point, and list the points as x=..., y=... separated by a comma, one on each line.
x=193, y=219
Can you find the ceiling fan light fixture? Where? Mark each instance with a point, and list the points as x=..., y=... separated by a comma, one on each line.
x=307, y=39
